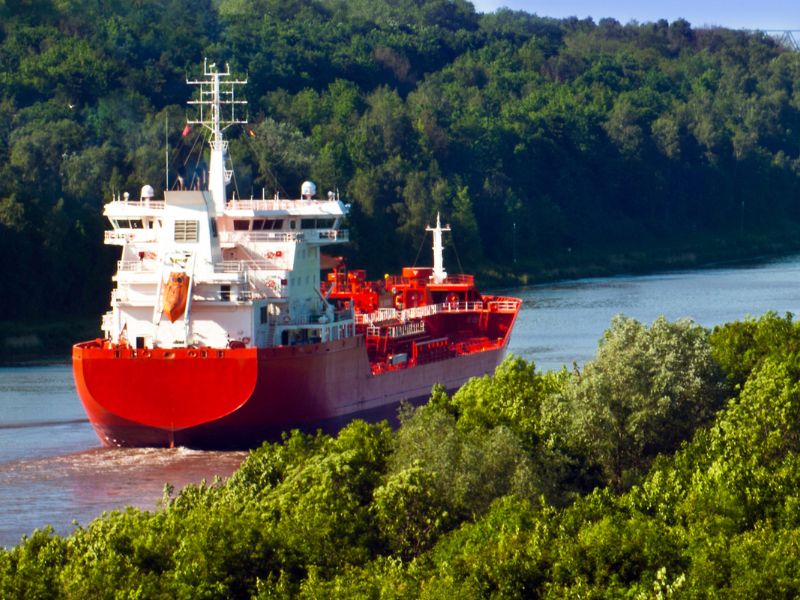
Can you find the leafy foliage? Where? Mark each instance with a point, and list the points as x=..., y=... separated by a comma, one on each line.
x=741, y=347
x=476, y=495
x=647, y=390
x=551, y=145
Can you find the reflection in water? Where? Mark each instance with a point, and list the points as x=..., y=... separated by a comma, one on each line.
x=43, y=423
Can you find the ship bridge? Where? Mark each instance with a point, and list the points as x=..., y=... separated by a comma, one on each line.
x=250, y=268
x=306, y=220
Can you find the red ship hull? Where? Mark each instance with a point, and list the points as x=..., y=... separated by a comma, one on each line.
x=239, y=397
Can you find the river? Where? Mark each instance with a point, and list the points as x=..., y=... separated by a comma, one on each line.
x=52, y=469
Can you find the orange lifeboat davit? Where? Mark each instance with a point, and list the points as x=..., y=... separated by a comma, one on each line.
x=176, y=291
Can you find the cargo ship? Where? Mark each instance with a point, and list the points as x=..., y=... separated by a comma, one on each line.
x=223, y=331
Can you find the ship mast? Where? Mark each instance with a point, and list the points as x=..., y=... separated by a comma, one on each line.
x=216, y=93
x=439, y=274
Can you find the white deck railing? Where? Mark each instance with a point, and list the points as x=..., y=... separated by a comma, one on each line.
x=328, y=235
x=130, y=235
x=505, y=305
x=239, y=266
x=311, y=235
x=134, y=204
x=418, y=312
x=411, y=328
x=284, y=204
x=151, y=265
x=260, y=236
x=138, y=266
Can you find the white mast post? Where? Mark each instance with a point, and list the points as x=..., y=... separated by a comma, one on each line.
x=439, y=274
x=166, y=147
x=211, y=92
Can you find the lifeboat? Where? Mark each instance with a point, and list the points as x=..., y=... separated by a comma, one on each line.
x=176, y=291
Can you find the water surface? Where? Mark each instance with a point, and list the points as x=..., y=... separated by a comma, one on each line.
x=52, y=469
x=561, y=323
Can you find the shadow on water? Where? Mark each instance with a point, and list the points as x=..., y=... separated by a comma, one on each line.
x=31, y=424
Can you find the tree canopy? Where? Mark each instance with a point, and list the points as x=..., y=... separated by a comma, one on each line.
x=493, y=492
x=552, y=146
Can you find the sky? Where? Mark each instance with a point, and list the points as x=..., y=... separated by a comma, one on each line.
x=735, y=14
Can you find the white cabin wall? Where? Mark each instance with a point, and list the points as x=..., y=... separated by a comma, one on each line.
x=137, y=321
x=191, y=206
x=212, y=326
x=216, y=325
x=140, y=294
x=304, y=280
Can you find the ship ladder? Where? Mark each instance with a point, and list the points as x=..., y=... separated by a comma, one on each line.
x=187, y=312
x=483, y=320
x=158, y=309
x=385, y=340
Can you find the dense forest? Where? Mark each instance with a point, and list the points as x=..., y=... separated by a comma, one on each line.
x=667, y=467
x=553, y=147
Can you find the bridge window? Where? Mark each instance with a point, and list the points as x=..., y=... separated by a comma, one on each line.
x=241, y=225
x=316, y=223
x=127, y=223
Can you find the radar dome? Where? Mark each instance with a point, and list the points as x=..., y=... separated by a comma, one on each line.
x=308, y=189
x=147, y=192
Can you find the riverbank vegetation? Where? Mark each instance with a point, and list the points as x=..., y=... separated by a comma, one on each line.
x=669, y=466
x=553, y=147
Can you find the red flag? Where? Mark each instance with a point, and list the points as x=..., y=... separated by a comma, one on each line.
x=186, y=130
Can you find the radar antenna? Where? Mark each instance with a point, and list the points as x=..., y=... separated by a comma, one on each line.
x=217, y=92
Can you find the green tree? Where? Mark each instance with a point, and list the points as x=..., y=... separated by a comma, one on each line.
x=647, y=390
x=409, y=514
x=742, y=346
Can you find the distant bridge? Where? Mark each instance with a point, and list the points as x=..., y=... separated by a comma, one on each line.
x=788, y=38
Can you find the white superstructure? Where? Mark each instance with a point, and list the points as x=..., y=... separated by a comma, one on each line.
x=253, y=265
